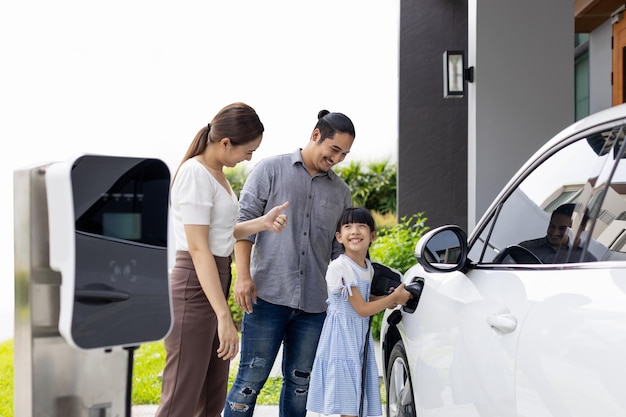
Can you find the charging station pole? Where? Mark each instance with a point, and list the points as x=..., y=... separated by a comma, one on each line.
x=52, y=378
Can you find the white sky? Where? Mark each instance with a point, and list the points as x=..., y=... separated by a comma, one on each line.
x=139, y=78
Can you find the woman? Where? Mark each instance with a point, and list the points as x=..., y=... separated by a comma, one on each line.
x=203, y=338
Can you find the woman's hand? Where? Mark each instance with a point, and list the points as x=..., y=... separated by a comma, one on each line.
x=228, y=337
x=275, y=220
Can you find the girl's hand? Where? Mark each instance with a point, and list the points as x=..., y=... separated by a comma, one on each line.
x=275, y=220
x=399, y=296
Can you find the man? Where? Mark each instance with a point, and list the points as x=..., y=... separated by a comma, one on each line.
x=554, y=247
x=280, y=282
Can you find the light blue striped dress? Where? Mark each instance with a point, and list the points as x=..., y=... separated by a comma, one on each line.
x=335, y=386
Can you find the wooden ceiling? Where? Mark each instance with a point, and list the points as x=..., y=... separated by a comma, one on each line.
x=589, y=14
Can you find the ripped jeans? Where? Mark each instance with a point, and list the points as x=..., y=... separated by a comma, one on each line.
x=261, y=335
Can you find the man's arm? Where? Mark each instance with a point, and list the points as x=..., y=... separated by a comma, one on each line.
x=245, y=288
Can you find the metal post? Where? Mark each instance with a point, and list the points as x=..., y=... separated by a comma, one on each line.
x=52, y=378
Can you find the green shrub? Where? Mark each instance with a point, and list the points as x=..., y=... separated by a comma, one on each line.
x=237, y=176
x=384, y=221
x=395, y=246
x=235, y=310
x=373, y=185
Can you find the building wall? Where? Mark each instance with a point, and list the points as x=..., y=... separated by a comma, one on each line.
x=600, y=58
x=523, y=94
x=455, y=156
x=432, y=136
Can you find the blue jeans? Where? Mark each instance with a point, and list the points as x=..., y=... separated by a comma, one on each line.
x=261, y=335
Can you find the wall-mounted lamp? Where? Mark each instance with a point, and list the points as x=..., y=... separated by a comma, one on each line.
x=455, y=74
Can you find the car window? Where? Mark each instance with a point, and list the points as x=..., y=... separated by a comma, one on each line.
x=579, y=183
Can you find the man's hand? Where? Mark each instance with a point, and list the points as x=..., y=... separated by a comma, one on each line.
x=245, y=292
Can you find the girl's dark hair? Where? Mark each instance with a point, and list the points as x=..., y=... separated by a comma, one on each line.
x=330, y=123
x=356, y=215
x=237, y=121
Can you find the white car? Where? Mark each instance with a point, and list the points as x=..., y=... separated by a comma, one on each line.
x=504, y=328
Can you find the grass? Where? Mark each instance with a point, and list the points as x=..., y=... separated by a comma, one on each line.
x=148, y=363
x=6, y=378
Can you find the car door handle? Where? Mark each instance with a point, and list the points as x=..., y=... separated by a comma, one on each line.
x=504, y=323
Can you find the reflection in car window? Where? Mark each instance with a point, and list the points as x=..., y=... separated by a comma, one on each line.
x=582, y=175
x=558, y=245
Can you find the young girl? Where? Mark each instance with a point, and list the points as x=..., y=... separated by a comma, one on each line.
x=335, y=386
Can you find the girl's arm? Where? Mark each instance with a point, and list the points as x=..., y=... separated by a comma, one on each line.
x=365, y=309
x=274, y=220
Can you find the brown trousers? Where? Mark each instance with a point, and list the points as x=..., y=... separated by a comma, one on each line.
x=194, y=378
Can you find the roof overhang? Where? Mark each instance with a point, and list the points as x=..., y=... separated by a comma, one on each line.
x=589, y=14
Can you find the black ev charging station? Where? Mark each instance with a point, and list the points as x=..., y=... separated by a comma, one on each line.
x=91, y=281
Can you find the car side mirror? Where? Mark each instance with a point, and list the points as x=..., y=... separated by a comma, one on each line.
x=443, y=249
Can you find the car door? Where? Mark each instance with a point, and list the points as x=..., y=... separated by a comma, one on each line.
x=570, y=316
x=462, y=343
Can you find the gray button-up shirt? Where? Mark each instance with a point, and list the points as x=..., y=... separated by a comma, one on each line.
x=289, y=268
x=548, y=255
